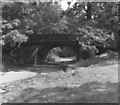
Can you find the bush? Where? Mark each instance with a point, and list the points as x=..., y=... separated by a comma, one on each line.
x=95, y=40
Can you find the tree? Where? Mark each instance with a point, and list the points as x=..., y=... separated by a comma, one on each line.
x=89, y=10
x=94, y=25
x=29, y=18
x=21, y=21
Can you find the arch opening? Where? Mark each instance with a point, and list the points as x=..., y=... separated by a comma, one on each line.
x=61, y=54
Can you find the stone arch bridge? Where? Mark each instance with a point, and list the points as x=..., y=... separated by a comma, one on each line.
x=40, y=46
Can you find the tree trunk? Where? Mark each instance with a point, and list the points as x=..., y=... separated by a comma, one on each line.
x=119, y=11
x=89, y=10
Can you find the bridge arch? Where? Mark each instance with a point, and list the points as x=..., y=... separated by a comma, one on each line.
x=43, y=52
x=36, y=52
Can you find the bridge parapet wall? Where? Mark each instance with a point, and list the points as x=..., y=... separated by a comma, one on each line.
x=52, y=37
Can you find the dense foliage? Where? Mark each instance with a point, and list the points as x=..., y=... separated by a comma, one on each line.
x=98, y=29
x=95, y=25
x=23, y=19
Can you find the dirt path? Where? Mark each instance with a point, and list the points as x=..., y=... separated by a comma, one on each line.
x=95, y=83
x=14, y=76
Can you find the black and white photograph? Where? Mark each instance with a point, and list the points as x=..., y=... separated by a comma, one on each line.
x=59, y=51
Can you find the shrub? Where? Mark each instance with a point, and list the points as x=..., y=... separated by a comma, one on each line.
x=94, y=40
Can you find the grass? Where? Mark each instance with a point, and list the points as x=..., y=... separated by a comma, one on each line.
x=83, y=94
